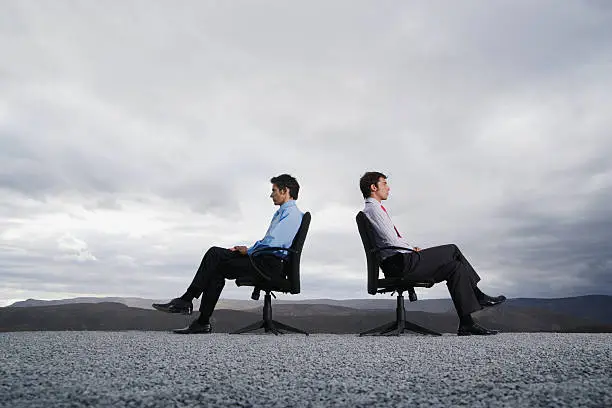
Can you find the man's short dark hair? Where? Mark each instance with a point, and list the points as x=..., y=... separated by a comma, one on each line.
x=285, y=181
x=369, y=178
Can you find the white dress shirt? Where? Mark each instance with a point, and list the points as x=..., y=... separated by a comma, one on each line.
x=385, y=233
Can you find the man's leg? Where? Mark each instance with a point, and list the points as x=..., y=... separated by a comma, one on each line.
x=214, y=257
x=447, y=263
x=232, y=269
x=216, y=266
x=483, y=299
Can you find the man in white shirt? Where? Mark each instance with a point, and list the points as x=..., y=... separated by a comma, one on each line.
x=440, y=263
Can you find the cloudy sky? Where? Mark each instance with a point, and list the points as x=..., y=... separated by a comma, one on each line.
x=136, y=134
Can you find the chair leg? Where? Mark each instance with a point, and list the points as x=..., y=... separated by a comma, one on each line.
x=269, y=325
x=396, y=330
x=255, y=326
x=384, y=328
x=287, y=328
x=419, y=329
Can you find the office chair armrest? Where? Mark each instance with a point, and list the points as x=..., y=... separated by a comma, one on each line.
x=257, y=269
x=265, y=250
x=272, y=249
x=377, y=250
x=374, y=250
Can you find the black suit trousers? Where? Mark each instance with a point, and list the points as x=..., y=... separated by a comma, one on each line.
x=440, y=263
x=219, y=264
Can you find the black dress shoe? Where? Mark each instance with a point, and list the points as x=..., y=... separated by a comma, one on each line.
x=177, y=305
x=475, y=329
x=487, y=301
x=195, y=328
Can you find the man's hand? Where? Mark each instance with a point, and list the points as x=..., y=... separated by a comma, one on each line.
x=239, y=248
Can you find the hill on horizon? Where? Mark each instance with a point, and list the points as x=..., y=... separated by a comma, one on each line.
x=590, y=307
x=111, y=316
x=428, y=305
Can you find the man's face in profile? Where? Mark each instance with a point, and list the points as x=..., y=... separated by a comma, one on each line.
x=279, y=197
x=381, y=189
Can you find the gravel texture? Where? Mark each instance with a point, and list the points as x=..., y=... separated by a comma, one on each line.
x=153, y=369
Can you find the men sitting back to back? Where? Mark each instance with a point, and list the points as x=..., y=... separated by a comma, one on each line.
x=219, y=264
x=440, y=263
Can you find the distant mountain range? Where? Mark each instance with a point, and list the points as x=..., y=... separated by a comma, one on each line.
x=427, y=305
x=577, y=314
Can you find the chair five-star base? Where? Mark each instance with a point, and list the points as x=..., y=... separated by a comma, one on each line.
x=400, y=325
x=267, y=323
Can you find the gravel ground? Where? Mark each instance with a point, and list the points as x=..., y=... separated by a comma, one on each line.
x=153, y=369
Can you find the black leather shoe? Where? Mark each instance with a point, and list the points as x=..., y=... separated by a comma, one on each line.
x=487, y=301
x=177, y=305
x=195, y=328
x=475, y=329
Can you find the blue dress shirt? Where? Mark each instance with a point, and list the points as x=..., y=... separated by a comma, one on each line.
x=283, y=227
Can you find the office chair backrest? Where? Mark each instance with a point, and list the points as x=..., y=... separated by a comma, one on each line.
x=293, y=266
x=369, y=245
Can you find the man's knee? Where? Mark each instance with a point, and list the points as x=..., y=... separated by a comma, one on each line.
x=455, y=272
x=450, y=251
x=214, y=256
x=215, y=251
x=455, y=251
x=218, y=282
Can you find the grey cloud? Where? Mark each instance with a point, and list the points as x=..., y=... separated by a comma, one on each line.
x=547, y=249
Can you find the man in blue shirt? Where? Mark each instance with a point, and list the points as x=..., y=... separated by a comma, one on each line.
x=219, y=264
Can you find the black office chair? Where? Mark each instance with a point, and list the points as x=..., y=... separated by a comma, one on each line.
x=289, y=284
x=399, y=285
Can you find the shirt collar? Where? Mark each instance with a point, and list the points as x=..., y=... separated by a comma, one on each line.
x=290, y=203
x=372, y=200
